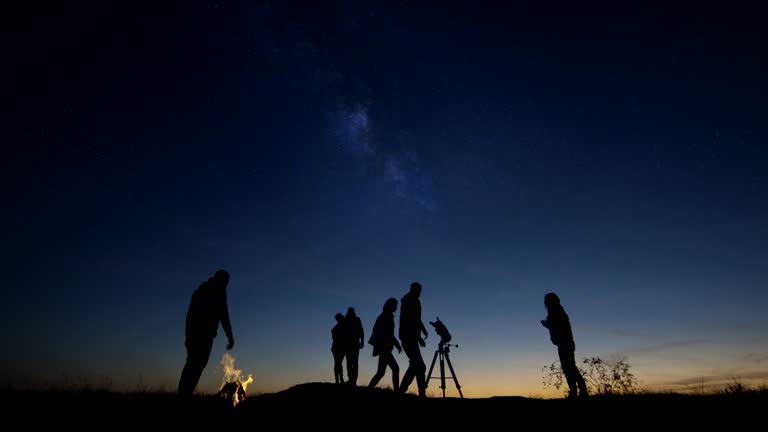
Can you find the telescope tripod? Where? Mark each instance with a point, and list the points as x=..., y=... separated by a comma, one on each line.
x=442, y=351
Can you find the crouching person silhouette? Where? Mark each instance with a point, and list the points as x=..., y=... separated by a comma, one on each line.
x=383, y=340
x=561, y=335
x=207, y=308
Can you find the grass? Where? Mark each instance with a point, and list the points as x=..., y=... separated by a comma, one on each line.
x=323, y=405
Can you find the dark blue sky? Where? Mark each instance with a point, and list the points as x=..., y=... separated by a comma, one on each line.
x=330, y=155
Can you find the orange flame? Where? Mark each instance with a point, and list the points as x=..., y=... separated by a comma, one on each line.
x=246, y=382
x=232, y=375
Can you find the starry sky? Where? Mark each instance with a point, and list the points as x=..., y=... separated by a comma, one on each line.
x=328, y=155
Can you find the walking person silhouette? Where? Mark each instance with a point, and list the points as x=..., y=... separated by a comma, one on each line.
x=411, y=329
x=383, y=340
x=338, y=348
x=560, y=333
x=207, y=308
x=355, y=342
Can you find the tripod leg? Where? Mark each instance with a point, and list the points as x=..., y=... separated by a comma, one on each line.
x=442, y=374
x=429, y=375
x=455, y=379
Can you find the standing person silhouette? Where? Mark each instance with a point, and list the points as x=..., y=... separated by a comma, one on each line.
x=337, y=348
x=561, y=335
x=383, y=340
x=355, y=342
x=207, y=308
x=411, y=329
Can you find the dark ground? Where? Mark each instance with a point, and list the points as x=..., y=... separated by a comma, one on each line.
x=322, y=406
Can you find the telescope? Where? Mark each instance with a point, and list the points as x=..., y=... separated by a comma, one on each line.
x=443, y=348
x=441, y=330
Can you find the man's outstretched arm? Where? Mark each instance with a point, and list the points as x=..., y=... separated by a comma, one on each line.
x=226, y=324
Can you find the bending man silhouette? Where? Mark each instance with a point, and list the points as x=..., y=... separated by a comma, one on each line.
x=383, y=340
x=561, y=335
x=207, y=308
x=411, y=329
x=355, y=342
x=337, y=348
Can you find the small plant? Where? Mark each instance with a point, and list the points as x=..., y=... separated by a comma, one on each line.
x=735, y=387
x=602, y=377
x=763, y=388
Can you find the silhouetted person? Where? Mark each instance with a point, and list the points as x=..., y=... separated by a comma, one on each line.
x=207, y=308
x=561, y=335
x=355, y=342
x=411, y=329
x=383, y=340
x=337, y=348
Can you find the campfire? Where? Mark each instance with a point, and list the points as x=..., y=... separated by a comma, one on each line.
x=234, y=391
x=233, y=388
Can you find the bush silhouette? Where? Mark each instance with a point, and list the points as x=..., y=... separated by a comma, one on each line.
x=603, y=377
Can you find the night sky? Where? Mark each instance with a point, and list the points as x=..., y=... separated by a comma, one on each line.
x=329, y=155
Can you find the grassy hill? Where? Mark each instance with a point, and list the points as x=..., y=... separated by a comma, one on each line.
x=324, y=405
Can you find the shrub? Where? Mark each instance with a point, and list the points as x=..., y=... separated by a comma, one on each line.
x=602, y=377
